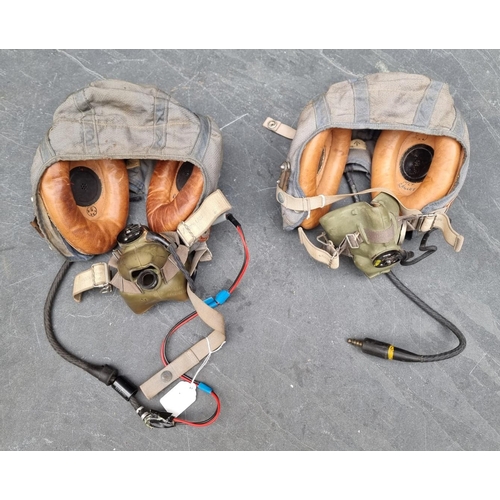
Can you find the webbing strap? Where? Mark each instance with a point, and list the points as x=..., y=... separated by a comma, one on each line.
x=202, y=219
x=170, y=268
x=307, y=204
x=97, y=276
x=440, y=221
x=190, y=358
x=280, y=128
x=414, y=218
x=330, y=259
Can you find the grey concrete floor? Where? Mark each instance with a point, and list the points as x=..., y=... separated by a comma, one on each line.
x=286, y=377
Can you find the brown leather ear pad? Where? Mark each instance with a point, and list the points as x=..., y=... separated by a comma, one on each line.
x=174, y=192
x=417, y=168
x=87, y=202
x=321, y=168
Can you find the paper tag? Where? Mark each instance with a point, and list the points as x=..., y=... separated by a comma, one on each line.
x=178, y=399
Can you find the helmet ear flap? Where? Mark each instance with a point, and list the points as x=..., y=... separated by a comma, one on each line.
x=174, y=192
x=419, y=169
x=87, y=201
x=322, y=165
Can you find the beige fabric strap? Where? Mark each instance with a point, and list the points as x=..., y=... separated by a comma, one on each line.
x=310, y=203
x=190, y=358
x=98, y=276
x=414, y=218
x=202, y=219
x=330, y=259
x=123, y=285
x=279, y=128
x=440, y=221
x=202, y=254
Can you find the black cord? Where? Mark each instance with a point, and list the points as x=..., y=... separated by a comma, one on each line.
x=350, y=181
x=462, y=342
x=389, y=351
x=105, y=373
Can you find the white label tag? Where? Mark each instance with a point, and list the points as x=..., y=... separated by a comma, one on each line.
x=178, y=399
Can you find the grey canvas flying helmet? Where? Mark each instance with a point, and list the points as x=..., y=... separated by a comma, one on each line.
x=403, y=131
x=103, y=145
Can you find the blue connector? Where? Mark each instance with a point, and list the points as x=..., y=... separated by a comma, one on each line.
x=220, y=298
x=204, y=387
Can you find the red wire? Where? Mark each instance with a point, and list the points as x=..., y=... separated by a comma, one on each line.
x=193, y=315
x=246, y=261
x=204, y=424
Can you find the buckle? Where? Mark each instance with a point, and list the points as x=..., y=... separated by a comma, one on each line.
x=101, y=276
x=353, y=240
x=425, y=222
x=328, y=245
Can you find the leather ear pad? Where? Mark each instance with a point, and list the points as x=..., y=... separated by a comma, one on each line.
x=173, y=194
x=417, y=168
x=87, y=201
x=321, y=168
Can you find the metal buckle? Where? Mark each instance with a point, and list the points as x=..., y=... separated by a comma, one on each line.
x=328, y=245
x=353, y=240
x=422, y=220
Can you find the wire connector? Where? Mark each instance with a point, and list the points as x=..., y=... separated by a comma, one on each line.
x=385, y=350
x=219, y=299
x=156, y=419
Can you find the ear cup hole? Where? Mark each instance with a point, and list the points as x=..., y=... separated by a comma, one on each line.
x=85, y=186
x=183, y=175
x=416, y=162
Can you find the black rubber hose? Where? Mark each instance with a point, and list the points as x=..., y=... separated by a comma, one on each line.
x=104, y=373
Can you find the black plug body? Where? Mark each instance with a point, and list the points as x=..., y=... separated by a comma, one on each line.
x=385, y=350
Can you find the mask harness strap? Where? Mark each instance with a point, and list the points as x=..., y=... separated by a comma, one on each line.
x=174, y=370
x=414, y=219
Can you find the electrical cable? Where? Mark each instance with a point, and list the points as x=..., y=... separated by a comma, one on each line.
x=194, y=314
x=391, y=352
x=104, y=373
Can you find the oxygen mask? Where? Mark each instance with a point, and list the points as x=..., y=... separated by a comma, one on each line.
x=371, y=233
x=149, y=272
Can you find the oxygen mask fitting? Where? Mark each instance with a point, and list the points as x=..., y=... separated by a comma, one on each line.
x=149, y=268
x=371, y=233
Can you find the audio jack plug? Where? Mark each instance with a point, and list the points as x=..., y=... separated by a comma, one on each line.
x=385, y=350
